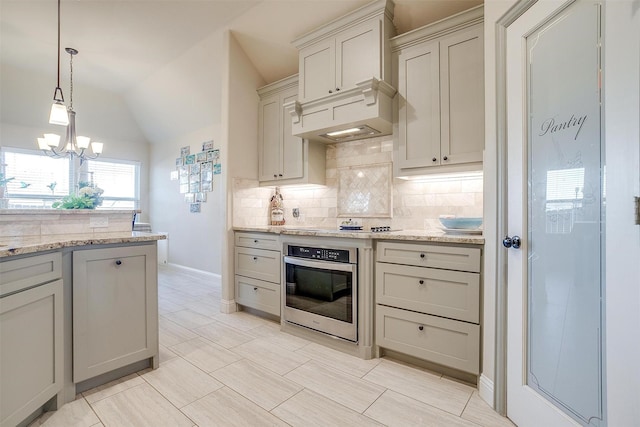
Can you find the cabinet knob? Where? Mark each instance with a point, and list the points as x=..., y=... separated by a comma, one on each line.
x=255, y=289
x=280, y=175
x=434, y=159
x=330, y=91
x=255, y=258
x=337, y=89
x=275, y=175
x=445, y=158
x=421, y=282
x=422, y=256
x=421, y=327
x=255, y=241
x=118, y=262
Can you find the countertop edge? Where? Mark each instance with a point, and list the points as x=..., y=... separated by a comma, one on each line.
x=11, y=246
x=434, y=236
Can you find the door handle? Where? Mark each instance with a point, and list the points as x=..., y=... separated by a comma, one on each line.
x=512, y=242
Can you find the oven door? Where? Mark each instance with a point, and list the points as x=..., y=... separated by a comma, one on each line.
x=322, y=295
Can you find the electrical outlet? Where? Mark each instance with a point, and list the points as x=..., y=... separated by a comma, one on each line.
x=296, y=212
x=98, y=221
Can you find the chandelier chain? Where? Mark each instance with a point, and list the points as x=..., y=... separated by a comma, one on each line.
x=71, y=83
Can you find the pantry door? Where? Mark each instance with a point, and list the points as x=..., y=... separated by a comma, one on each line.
x=555, y=216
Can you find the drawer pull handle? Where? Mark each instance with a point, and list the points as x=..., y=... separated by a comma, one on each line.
x=422, y=256
x=421, y=328
x=118, y=262
x=421, y=282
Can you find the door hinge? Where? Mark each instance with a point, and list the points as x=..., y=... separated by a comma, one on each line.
x=637, y=210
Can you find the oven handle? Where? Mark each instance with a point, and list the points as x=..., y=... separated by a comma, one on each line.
x=323, y=265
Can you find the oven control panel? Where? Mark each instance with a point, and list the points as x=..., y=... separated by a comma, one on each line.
x=322, y=254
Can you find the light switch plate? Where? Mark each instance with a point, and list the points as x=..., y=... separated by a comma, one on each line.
x=98, y=221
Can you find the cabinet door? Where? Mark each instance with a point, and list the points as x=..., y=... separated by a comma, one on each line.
x=419, y=106
x=30, y=350
x=115, y=308
x=292, y=153
x=358, y=55
x=462, y=90
x=317, y=70
x=269, y=146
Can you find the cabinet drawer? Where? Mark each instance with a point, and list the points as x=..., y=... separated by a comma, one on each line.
x=258, y=264
x=258, y=294
x=258, y=240
x=447, y=257
x=447, y=342
x=446, y=293
x=23, y=273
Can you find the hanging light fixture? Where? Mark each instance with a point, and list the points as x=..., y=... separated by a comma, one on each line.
x=58, y=114
x=73, y=146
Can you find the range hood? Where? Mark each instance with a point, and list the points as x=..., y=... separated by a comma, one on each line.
x=362, y=112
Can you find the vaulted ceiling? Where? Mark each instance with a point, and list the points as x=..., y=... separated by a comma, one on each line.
x=123, y=43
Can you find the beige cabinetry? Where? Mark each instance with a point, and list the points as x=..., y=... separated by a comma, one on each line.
x=284, y=158
x=428, y=302
x=115, y=308
x=440, y=82
x=31, y=343
x=258, y=260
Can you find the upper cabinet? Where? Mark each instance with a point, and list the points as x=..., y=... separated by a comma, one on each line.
x=440, y=81
x=283, y=158
x=346, y=75
x=341, y=61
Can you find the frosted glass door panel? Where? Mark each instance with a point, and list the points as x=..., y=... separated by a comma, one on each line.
x=565, y=205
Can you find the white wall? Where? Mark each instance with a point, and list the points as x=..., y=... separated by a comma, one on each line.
x=25, y=102
x=181, y=106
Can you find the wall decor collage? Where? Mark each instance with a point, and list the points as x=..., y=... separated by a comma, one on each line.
x=195, y=173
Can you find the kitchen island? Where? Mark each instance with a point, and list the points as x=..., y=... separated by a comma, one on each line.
x=77, y=309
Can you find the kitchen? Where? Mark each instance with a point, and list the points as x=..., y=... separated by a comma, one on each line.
x=235, y=132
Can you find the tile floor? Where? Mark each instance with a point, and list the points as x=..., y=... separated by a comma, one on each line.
x=240, y=370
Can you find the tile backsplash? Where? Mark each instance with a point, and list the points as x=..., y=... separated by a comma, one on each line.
x=411, y=204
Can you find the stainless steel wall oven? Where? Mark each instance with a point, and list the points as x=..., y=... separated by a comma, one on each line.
x=321, y=289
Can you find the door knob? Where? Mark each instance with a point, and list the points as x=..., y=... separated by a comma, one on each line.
x=512, y=242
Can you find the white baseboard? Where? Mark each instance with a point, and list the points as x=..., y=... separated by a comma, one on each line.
x=485, y=390
x=206, y=273
x=228, y=306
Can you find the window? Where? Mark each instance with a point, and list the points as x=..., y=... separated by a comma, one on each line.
x=40, y=180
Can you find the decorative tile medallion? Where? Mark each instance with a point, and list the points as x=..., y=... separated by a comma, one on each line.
x=365, y=191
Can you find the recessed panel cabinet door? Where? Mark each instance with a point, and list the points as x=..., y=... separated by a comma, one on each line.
x=419, y=106
x=268, y=128
x=317, y=70
x=358, y=55
x=115, y=308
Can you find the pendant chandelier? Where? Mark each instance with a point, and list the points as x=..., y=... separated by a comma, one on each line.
x=73, y=146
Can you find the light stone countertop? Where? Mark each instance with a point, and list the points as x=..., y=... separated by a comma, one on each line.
x=403, y=235
x=19, y=245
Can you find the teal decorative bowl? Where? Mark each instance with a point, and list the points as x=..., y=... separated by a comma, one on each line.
x=460, y=223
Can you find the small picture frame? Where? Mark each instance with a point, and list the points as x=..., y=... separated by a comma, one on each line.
x=207, y=166
x=217, y=169
x=206, y=186
x=207, y=145
x=184, y=179
x=206, y=176
x=179, y=161
x=194, y=208
x=190, y=159
x=201, y=157
x=194, y=178
x=185, y=151
x=189, y=198
x=201, y=197
x=174, y=175
x=194, y=187
x=184, y=188
x=194, y=169
x=183, y=170
x=213, y=155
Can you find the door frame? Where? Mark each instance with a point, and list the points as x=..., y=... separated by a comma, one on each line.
x=500, y=367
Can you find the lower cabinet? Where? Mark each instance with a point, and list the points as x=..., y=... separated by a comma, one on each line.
x=31, y=329
x=428, y=302
x=115, y=308
x=258, y=261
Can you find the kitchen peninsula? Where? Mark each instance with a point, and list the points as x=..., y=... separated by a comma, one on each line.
x=78, y=305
